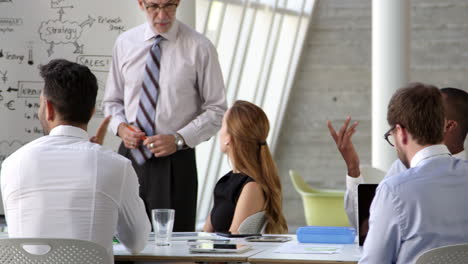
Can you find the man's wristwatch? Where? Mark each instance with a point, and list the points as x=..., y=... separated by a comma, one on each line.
x=179, y=141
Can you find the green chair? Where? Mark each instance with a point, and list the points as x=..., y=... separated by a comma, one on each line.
x=321, y=207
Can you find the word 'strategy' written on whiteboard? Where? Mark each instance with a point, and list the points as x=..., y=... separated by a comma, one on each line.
x=35, y=32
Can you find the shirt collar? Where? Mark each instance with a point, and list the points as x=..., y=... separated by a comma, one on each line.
x=171, y=35
x=460, y=155
x=70, y=131
x=429, y=152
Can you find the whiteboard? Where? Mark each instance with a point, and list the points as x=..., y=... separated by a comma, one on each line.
x=32, y=32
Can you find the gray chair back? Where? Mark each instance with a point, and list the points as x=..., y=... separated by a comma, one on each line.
x=454, y=254
x=57, y=251
x=254, y=224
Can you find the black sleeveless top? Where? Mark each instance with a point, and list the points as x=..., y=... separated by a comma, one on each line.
x=226, y=194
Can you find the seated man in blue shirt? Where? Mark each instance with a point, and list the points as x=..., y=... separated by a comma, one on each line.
x=456, y=128
x=424, y=207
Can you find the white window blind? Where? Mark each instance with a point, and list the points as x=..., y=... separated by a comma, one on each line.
x=259, y=43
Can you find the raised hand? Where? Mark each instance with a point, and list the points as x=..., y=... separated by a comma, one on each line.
x=345, y=145
x=101, y=131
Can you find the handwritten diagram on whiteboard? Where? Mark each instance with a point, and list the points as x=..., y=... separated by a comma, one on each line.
x=33, y=33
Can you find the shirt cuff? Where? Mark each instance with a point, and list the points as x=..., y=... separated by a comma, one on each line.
x=188, y=133
x=352, y=182
x=114, y=124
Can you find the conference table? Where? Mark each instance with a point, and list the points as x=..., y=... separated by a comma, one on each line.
x=260, y=252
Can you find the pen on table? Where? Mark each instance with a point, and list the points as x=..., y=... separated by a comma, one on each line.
x=132, y=129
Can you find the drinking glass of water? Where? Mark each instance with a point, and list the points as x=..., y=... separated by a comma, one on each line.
x=163, y=222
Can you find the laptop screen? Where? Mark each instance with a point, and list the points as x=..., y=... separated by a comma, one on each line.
x=366, y=193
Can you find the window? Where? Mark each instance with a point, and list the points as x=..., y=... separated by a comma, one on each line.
x=259, y=43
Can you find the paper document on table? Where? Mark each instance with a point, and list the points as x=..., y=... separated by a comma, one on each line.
x=302, y=248
x=178, y=236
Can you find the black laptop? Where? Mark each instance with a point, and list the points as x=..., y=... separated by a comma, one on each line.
x=366, y=193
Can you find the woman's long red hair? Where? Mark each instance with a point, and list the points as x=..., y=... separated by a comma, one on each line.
x=248, y=128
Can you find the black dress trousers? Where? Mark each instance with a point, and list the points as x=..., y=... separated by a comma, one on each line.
x=170, y=183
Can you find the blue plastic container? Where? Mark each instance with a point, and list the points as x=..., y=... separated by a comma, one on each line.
x=326, y=234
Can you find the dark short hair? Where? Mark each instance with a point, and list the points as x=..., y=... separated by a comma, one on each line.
x=72, y=89
x=456, y=107
x=418, y=107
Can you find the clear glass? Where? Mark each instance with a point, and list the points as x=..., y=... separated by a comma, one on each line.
x=163, y=222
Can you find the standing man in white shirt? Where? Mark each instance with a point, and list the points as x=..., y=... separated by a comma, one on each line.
x=455, y=103
x=166, y=94
x=425, y=206
x=64, y=186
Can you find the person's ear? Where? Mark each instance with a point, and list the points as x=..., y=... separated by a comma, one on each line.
x=401, y=134
x=450, y=125
x=142, y=6
x=50, y=111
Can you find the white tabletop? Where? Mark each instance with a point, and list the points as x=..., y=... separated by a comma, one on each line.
x=179, y=251
x=261, y=252
x=350, y=253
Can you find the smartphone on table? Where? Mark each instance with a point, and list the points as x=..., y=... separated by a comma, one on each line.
x=217, y=247
x=228, y=234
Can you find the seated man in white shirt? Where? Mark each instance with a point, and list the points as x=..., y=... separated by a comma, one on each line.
x=456, y=128
x=425, y=206
x=64, y=186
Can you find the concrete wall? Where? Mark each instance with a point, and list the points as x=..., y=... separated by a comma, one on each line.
x=334, y=80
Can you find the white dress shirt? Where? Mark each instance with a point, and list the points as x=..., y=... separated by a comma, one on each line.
x=350, y=199
x=191, y=98
x=420, y=209
x=63, y=186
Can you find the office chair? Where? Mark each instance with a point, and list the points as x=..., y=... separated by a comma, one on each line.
x=453, y=254
x=58, y=251
x=254, y=224
x=321, y=207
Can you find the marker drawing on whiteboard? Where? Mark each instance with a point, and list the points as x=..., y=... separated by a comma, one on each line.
x=9, y=146
x=29, y=104
x=3, y=76
x=61, y=12
x=61, y=32
x=9, y=24
x=34, y=130
x=30, y=54
x=33, y=116
x=11, y=89
x=57, y=32
x=29, y=89
x=13, y=57
x=10, y=105
x=60, y=5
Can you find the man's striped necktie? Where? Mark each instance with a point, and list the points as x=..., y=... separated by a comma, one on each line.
x=148, y=99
